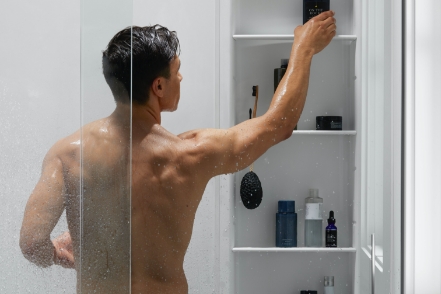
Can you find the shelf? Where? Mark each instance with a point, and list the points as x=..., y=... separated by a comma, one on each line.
x=332, y=133
x=293, y=249
x=288, y=37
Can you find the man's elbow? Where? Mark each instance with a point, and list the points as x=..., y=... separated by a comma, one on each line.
x=39, y=252
x=285, y=132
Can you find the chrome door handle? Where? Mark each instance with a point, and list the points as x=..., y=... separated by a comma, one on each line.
x=373, y=263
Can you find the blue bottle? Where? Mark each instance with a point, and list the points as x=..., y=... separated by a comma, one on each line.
x=286, y=224
x=331, y=231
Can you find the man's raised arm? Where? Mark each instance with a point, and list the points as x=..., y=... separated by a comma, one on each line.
x=226, y=151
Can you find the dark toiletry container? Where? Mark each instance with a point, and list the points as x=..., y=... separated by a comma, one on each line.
x=279, y=73
x=331, y=231
x=312, y=8
x=308, y=292
x=286, y=224
x=328, y=123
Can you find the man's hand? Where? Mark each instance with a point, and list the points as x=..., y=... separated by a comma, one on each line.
x=316, y=34
x=63, y=253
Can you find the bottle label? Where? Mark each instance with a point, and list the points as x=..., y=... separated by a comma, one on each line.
x=313, y=211
x=286, y=242
x=335, y=125
x=331, y=238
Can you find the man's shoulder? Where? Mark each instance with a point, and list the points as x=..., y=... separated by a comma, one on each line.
x=81, y=137
x=67, y=145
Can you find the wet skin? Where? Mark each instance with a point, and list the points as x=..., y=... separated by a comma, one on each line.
x=168, y=177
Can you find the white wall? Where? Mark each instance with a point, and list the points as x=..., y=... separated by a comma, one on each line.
x=427, y=146
x=39, y=103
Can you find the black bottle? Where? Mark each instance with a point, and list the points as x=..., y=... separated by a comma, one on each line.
x=331, y=231
x=312, y=8
x=279, y=73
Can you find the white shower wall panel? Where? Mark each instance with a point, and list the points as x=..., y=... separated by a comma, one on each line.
x=39, y=104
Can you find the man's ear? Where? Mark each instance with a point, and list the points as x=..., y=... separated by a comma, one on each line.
x=158, y=87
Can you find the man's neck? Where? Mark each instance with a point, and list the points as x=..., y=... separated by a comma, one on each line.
x=144, y=116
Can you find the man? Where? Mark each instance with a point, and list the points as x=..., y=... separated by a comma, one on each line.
x=168, y=173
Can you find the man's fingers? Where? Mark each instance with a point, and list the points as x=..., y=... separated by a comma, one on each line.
x=67, y=259
x=331, y=28
x=328, y=22
x=324, y=15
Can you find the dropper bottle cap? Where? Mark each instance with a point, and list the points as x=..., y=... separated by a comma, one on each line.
x=331, y=219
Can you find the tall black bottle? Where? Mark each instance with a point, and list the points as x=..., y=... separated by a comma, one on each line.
x=312, y=8
x=279, y=73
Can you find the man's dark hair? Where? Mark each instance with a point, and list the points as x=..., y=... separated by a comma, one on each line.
x=154, y=47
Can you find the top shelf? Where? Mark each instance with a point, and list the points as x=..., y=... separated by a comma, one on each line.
x=288, y=37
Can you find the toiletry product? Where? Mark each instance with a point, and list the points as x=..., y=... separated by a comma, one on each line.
x=286, y=224
x=312, y=8
x=328, y=123
x=329, y=285
x=251, y=191
x=313, y=220
x=279, y=72
x=308, y=292
x=331, y=231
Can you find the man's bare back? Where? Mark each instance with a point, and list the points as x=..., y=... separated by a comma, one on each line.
x=167, y=185
x=165, y=193
x=141, y=185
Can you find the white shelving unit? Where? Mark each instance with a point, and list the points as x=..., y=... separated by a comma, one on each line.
x=254, y=38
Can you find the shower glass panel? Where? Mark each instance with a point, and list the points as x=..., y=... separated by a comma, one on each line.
x=39, y=105
x=103, y=239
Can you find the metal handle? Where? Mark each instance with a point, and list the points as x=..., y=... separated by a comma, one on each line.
x=373, y=263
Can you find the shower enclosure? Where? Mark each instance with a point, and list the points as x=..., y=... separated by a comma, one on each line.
x=51, y=85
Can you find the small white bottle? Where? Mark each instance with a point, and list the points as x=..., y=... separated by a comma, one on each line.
x=313, y=219
x=329, y=285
